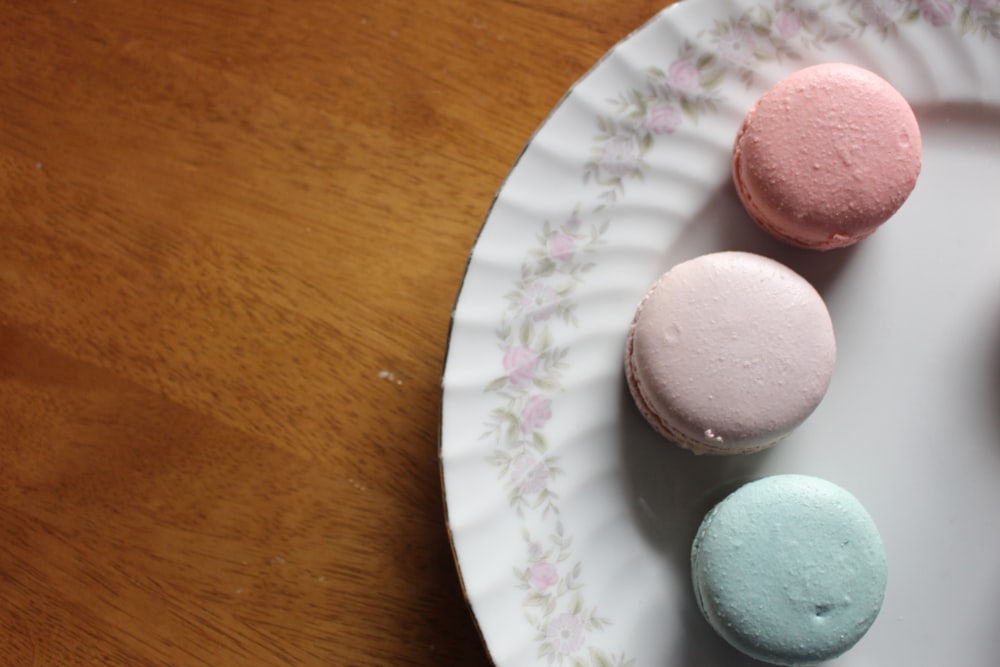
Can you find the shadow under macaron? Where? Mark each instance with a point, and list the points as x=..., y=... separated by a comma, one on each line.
x=994, y=368
x=723, y=224
x=671, y=490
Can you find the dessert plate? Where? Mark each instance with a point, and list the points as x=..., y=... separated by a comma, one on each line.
x=571, y=520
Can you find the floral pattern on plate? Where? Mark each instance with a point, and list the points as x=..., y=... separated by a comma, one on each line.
x=731, y=49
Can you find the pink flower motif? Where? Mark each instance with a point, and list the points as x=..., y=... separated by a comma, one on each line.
x=536, y=411
x=662, y=120
x=565, y=633
x=937, y=12
x=737, y=45
x=880, y=13
x=521, y=363
x=542, y=576
x=788, y=24
x=539, y=301
x=561, y=246
x=619, y=157
x=531, y=475
x=983, y=5
x=683, y=77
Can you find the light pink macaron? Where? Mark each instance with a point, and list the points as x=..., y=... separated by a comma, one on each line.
x=826, y=156
x=729, y=352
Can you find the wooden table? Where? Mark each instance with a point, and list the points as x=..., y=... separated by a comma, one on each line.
x=231, y=236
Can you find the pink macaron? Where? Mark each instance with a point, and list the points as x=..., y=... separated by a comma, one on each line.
x=826, y=156
x=729, y=352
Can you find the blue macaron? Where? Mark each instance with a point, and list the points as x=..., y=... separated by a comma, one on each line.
x=789, y=569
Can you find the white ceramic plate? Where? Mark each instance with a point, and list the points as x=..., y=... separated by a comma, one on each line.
x=571, y=521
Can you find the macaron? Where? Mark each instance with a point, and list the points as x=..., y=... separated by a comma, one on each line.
x=827, y=156
x=789, y=569
x=729, y=352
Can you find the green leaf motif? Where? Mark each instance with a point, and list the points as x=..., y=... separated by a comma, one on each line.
x=688, y=108
x=599, y=658
x=496, y=384
x=539, y=442
x=713, y=79
x=965, y=22
x=526, y=333
x=646, y=142
x=536, y=600
x=546, y=385
x=545, y=341
x=550, y=608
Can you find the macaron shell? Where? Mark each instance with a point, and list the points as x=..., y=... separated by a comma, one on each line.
x=729, y=352
x=826, y=156
x=789, y=569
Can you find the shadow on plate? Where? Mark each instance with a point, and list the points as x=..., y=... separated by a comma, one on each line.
x=994, y=368
x=671, y=490
x=723, y=224
x=973, y=117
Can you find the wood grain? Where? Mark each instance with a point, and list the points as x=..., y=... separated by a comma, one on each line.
x=219, y=224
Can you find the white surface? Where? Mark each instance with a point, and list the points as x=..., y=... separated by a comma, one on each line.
x=576, y=553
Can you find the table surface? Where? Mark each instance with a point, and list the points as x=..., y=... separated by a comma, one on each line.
x=232, y=237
